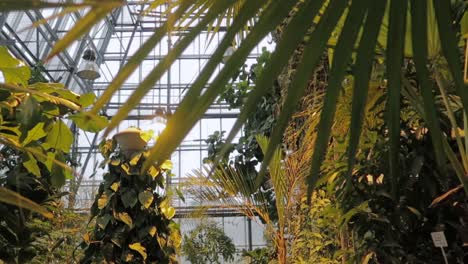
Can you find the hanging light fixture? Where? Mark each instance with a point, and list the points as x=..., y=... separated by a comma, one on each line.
x=228, y=53
x=88, y=69
x=158, y=123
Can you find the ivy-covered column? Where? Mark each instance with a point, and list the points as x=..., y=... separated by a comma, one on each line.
x=133, y=215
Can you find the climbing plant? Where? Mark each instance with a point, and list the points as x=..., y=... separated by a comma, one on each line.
x=133, y=214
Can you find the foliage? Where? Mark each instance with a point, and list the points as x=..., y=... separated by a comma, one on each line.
x=61, y=235
x=258, y=255
x=208, y=243
x=315, y=228
x=246, y=153
x=133, y=215
x=344, y=23
x=35, y=148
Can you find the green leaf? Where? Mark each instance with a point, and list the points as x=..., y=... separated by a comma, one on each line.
x=145, y=198
x=59, y=174
x=81, y=27
x=394, y=54
x=13, y=198
x=102, y=221
x=362, y=73
x=60, y=137
x=14, y=71
x=420, y=40
x=89, y=122
x=129, y=197
x=29, y=112
x=87, y=99
x=31, y=165
x=449, y=47
x=36, y=133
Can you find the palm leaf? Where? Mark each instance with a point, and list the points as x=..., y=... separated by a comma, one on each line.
x=293, y=35
x=82, y=26
x=341, y=59
x=181, y=122
x=139, y=56
x=395, y=53
x=362, y=73
x=147, y=84
x=14, y=198
x=420, y=40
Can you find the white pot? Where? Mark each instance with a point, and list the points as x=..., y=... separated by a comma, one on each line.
x=130, y=141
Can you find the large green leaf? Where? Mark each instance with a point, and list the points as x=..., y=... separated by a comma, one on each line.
x=14, y=71
x=60, y=137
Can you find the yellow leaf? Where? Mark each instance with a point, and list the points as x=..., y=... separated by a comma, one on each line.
x=102, y=201
x=153, y=172
x=152, y=231
x=145, y=198
x=135, y=159
x=115, y=162
x=167, y=165
x=139, y=248
x=168, y=212
x=115, y=186
x=129, y=258
x=124, y=217
x=86, y=238
x=126, y=168
x=175, y=239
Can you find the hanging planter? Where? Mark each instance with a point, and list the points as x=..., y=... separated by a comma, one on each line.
x=130, y=141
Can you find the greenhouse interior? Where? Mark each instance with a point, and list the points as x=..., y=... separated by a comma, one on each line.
x=263, y=132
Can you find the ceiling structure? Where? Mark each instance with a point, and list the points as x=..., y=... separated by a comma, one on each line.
x=114, y=40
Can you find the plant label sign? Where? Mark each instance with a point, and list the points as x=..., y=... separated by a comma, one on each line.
x=439, y=239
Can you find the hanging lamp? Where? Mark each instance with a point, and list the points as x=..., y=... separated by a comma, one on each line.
x=88, y=69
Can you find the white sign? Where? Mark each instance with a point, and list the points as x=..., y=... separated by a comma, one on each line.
x=439, y=239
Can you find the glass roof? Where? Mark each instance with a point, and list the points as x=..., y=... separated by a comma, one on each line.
x=115, y=39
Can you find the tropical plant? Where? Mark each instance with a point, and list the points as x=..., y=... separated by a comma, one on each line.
x=357, y=29
x=36, y=144
x=61, y=235
x=133, y=215
x=208, y=243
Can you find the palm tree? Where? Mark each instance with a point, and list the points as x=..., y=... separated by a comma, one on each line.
x=363, y=30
